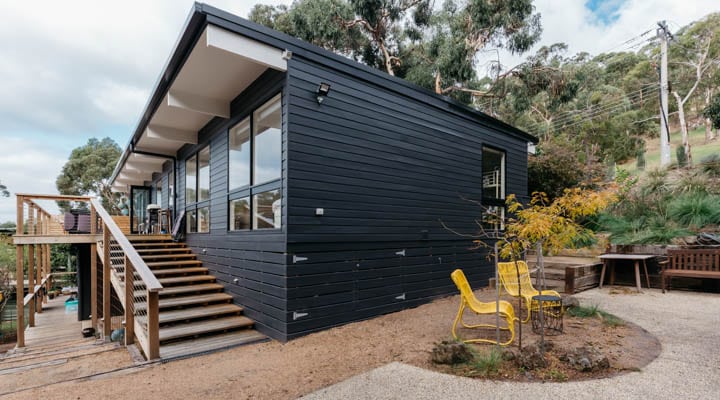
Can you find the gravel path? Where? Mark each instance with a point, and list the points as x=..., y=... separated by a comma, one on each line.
x=687, y=325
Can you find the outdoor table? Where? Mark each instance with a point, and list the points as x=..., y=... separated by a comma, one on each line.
x=546, y=315
x=612, y=258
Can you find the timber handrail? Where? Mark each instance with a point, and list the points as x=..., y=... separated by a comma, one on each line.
x=151, y=282
x=35, y=291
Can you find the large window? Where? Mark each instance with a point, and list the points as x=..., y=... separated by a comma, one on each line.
x=255, y=162
x=239, y=140
x=197, y=191
x=267, y=141
x=493, y=188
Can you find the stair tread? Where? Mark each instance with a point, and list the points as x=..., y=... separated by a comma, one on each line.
x=146, y=257
x=171, y=249
x=197, y=328
x=188, y=300
x=182, y=279
x=172, y=290
x=159, y=244
x=166, y=263
x=210, y=343
x=196, y=312
x=184, y=270
x=184, y=289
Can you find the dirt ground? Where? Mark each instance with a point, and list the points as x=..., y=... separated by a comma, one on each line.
x=274, y=370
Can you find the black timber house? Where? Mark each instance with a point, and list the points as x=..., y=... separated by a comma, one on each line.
x=313, y=186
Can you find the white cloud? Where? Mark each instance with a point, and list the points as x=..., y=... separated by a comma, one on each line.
x=569, y=21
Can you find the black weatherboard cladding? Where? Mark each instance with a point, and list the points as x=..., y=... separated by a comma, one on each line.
x=386, y=169
x=385, y=160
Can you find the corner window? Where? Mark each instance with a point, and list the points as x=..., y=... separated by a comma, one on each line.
x=158, y=193
x=191, y=221
x=493, y=188
x=255, y=169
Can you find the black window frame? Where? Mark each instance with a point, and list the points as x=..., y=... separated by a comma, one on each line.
x=492, y=202
x=195, y=206
x=252, y=189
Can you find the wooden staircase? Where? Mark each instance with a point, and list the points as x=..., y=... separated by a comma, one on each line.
x=196, y=316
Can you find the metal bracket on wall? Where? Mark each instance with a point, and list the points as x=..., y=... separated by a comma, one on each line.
x=297, y=315
x=400, y=253
x=401, y=297
x=297, y=259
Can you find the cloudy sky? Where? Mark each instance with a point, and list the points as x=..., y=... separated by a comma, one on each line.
x=78, y=69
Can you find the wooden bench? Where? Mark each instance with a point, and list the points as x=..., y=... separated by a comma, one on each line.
x=691, y=263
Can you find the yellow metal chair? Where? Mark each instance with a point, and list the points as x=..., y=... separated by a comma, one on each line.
x=468, y=299
x=509, y=279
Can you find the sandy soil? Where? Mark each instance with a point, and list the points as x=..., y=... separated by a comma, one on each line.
x=274, y=370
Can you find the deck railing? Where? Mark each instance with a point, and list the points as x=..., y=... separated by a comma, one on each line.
x=136, y=285
x=123, y=270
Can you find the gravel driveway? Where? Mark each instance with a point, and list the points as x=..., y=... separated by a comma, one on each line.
x=687, y=325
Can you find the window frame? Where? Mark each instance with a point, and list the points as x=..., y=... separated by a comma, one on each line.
x=253, y=188
x=496, y=203
x=195, y=206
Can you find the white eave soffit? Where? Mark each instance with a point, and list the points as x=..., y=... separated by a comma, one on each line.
x=220, y=66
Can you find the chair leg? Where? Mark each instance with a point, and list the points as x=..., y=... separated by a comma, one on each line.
x=662, y=281
x=458, y=318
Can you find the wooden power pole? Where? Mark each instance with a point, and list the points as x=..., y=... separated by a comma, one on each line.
x=663, y=34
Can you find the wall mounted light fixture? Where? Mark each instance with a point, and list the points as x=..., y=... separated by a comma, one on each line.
x=322, y=92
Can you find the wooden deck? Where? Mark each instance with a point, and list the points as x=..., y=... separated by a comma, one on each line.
x=54, y=327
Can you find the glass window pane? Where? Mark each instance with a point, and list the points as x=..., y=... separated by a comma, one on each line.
x=204, y=174
x=171, y=188
x=191, y=221
x=267, y=141
x=267, y=210
x=493, y=173
x=190, y=179
x=239, y=137
x=203, y=219
x=158, y=193
x=240, y=214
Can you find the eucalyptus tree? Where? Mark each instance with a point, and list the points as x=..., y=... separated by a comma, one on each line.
x=88, y=170
x=693, y=57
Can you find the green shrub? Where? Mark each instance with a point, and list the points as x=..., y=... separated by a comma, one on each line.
x=711, y=164
x=695, y=210
x=584, y=311
x=488, y=364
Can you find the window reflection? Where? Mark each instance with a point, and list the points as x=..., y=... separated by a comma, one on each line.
x=267, y=141
x=240, y=214
x=239, y=165
x=267, y=210
x=190, y=179
x=204, y=174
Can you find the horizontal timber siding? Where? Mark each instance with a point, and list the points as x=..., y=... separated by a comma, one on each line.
x=250, y=264
x=388, y=172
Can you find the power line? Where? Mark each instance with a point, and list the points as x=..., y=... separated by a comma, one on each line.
x=617, y=105
x=630, y=97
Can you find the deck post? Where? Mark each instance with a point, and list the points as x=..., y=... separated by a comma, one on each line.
x=39, y=276
x=93, y=285
x=153, y=325
x=19, y=279
x=107, y=313
x=31, y=285
x=129, y=303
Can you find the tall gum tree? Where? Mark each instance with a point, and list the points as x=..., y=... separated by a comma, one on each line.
x=694, y=56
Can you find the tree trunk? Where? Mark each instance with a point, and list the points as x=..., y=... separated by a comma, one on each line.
x=708, y=123
x=387, y=59
x=683, y=128
x=438, y=88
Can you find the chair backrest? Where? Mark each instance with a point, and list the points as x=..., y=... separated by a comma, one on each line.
x=509, y=277
x=458, y=276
